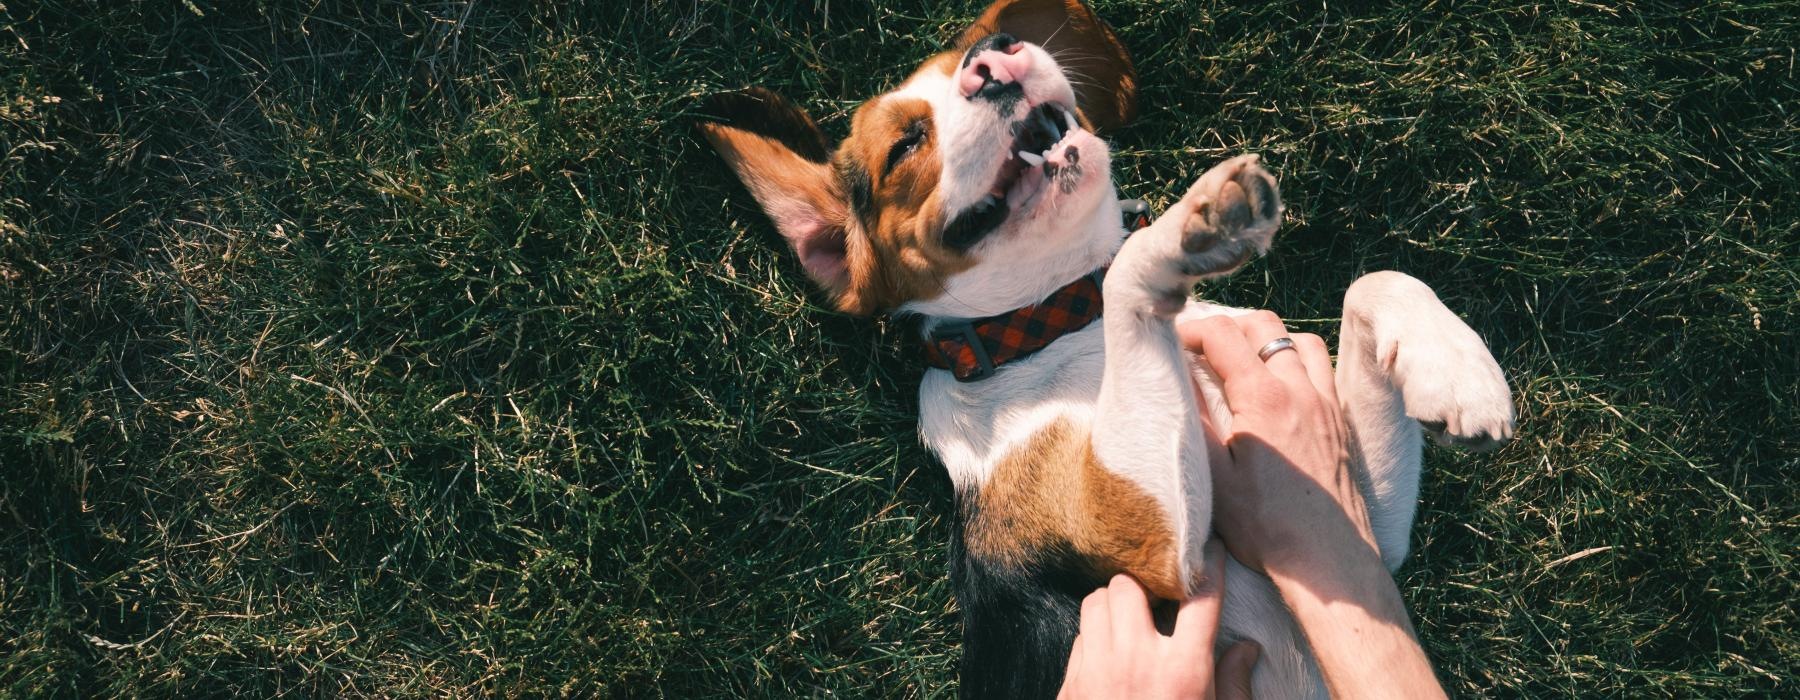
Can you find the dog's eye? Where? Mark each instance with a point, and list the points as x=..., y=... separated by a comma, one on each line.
x=909, y=142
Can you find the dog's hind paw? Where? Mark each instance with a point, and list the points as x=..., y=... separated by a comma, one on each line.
x=1451, y=384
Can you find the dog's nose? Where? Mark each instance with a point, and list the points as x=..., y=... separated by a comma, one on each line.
x=993, y=67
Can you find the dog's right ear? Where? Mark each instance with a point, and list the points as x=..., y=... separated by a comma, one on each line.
x=782, y=158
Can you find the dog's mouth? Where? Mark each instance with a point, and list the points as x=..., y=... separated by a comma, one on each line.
x=1037, y=159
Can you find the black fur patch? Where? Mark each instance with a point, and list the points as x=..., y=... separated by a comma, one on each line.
x=1005, y=98
x=974, y=223
x=998, y=41
x=860, y=189
x=1018, y=621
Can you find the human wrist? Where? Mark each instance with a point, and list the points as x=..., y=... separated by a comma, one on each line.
x=1351, y=613
x=1321, y=555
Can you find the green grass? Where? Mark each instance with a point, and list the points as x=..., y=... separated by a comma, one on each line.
x=414, y=350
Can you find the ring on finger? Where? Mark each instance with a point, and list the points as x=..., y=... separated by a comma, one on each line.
x=1275, y=346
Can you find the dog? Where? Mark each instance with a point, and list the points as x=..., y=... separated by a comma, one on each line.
x=976, y=196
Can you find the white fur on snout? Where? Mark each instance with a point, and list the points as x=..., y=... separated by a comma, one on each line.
x=1049, y=237
x=974, y=138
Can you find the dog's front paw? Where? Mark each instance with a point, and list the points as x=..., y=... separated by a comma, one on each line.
x=1451, y=384
x=1227, y=217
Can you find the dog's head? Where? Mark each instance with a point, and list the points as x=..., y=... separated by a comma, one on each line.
x=955, y=189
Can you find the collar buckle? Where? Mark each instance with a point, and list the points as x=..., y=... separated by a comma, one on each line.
x=1136, y=213
x=965, y=332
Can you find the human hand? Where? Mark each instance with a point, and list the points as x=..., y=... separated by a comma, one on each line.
x=1119, y=653
x=1293, y=497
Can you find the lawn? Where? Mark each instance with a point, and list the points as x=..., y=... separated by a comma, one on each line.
x=409, y=350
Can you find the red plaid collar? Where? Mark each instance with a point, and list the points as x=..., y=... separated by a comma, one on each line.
x=972, y=349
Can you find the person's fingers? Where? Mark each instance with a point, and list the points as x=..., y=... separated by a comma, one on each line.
x=1218, y=456
x=1096, y=622
x=1317, y=359
x=1264, y=327
x=1130, y=609
x=1231, y=357
x=1197, y=622
x=1231, y=677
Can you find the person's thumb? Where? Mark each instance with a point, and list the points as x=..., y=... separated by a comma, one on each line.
x=1233, y=672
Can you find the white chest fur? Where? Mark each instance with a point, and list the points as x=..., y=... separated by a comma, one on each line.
x=971, y=426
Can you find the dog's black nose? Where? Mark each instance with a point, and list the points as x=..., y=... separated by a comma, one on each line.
x=993, y=68
x=1001, y=42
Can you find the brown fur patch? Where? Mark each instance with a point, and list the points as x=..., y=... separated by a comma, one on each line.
x=867, y=232
x=897, y=205
x=1054, y=491
x=886, y=223
x=945, y=62
x=780, y=155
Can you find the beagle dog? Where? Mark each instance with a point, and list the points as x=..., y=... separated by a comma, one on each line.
x=976, y=197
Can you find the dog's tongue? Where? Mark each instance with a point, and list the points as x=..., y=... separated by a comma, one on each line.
x=1025, y=191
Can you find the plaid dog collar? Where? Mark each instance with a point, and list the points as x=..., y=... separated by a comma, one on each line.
x=972, y=349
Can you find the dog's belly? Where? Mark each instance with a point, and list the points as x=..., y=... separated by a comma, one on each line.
x=975, y=427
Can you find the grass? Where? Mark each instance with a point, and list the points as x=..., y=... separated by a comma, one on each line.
x=400, y=349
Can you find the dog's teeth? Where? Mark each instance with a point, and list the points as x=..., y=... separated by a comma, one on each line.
x=1032, y=158
x=1069, y=117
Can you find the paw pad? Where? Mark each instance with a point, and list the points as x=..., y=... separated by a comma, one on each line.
x=1236, y=207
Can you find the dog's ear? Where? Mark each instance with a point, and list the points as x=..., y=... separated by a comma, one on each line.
x=1105, y=82
x=782, y=158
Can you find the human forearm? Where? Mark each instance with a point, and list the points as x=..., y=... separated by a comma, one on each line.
x=1352, y=615
x=1296, y=512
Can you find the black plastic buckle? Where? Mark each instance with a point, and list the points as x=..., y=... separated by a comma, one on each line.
x=1137, y=213
x=984, y=365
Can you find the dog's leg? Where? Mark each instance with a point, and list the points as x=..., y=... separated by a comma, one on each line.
x=1404, y=359
x=1146, y=424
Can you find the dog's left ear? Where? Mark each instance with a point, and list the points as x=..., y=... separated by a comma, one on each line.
x=782, y=157
x=1105, y=82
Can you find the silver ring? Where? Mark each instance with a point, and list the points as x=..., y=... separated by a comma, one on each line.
x=1275, y=346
